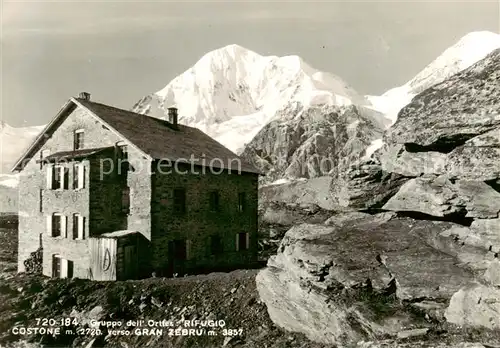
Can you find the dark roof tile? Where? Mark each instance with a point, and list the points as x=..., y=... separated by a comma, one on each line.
x=158, y=139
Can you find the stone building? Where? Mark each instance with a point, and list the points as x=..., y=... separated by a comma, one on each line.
x=109, y=194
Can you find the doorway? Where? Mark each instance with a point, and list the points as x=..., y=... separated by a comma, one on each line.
x=129, y=265
x=177, y=256
x=61, y=268
x=56, y=266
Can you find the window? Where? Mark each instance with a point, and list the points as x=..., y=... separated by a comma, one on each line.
x=180, y=201
x=78, y=176
x=78, y=226
x=61, y=268
x=242, y=241
x=68, y=269
x=54, y=175
x=49, y=175
x=214, y=201
x=241, y=202
x=56, y=225
x=78, y=139
x=56, y=266
x=65, y=178
x=57, y=177
x=216, y=246
x=125, y=199
x=75, y=176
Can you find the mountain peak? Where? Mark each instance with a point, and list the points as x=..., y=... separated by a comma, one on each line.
x=479, y=36
x=232, y=91
x=229, y=53
x=466, y=51
x=233, y=48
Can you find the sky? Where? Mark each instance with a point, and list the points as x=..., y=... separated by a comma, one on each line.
x=122, y=50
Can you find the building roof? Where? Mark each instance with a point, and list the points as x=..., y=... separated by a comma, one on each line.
x=158, y=139
x=117, y=234
x=66, y=155
x=154, y=137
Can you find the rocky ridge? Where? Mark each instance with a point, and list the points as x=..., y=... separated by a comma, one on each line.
x=414, y=238
x=309, y=142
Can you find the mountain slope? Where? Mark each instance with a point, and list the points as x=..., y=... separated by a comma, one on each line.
x=232, y=92
x=13, y=141
x=465, y=52
x=315, y=142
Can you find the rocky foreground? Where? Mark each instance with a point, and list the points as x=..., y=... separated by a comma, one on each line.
x=373, y=316
x=361, y=277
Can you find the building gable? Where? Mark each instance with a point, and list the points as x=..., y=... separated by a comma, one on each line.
x=82, y=117
x=153, y=138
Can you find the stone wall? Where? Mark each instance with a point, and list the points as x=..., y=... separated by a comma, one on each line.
x=199, y=223
x=33, y=215
x=139, y=182
x=105, y=203
x=69, y=249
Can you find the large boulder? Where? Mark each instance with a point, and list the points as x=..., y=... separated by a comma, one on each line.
x=475, y=305
x=492, y=273
x=365, y=185
x=441, y=197
x=334, y=282
x=488, y=232
x=306, y=191
x=395, y=159
x=477, y=159
x=428, y=195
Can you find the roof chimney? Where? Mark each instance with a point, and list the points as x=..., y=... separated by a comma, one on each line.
x=84, y=96
x=172, y=116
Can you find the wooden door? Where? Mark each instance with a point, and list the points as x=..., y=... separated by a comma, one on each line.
x=56, y=266
x=130, y=262
x=176, y=256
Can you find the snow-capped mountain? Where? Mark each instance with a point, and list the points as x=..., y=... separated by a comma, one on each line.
x=232, y=92
x=467, y=51
x=13, y=141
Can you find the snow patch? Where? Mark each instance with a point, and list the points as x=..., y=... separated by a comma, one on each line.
x=374, y=146
x=279, y=182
